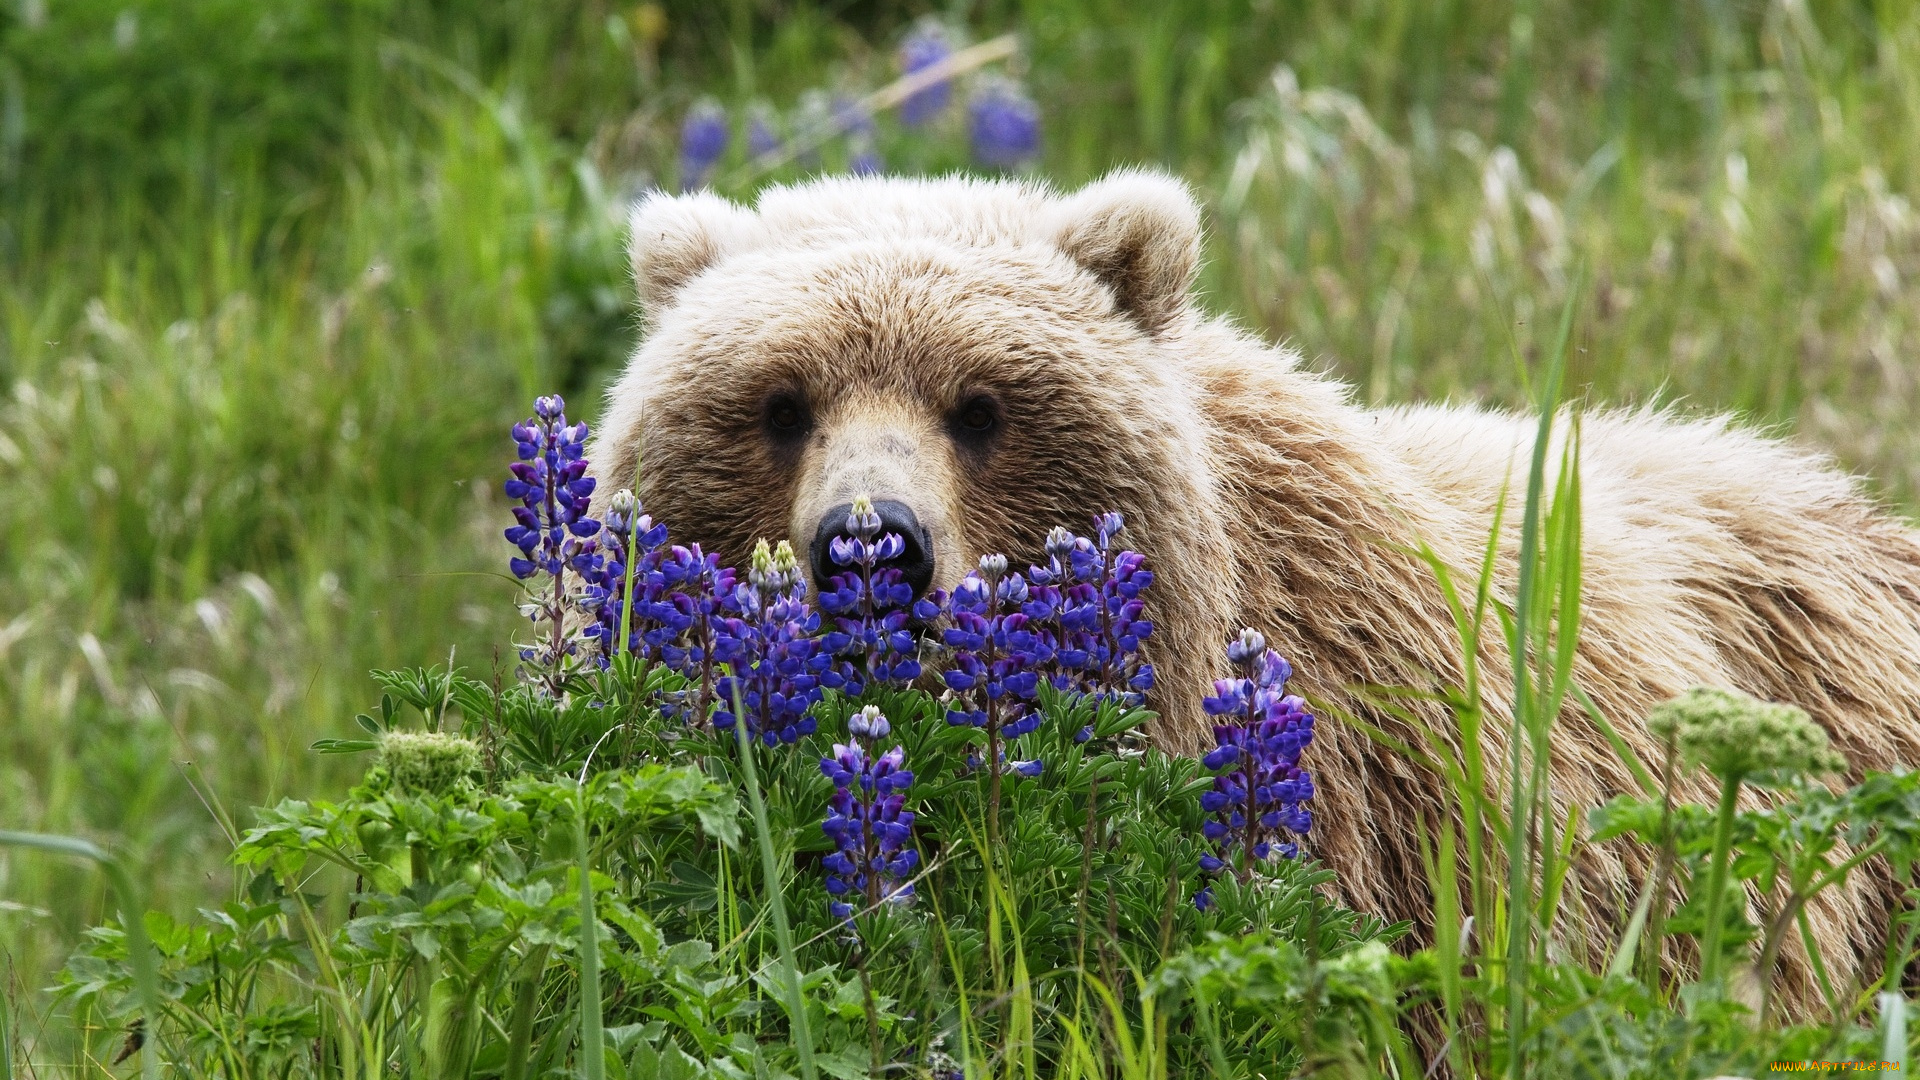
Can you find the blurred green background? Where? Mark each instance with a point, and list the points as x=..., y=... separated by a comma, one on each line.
x=274, y=276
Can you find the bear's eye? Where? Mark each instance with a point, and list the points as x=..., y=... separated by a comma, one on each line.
x=786, y=416
x=978, y=416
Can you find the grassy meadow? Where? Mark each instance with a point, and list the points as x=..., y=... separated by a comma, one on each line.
x=274, y=279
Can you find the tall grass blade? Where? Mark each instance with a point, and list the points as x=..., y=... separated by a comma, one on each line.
x=1893, y=1023
x=776, y=898
x=593, y=1039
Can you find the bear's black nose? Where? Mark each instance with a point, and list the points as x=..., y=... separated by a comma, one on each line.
x=915, y=560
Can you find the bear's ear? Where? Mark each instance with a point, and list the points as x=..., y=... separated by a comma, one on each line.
x=672, y=238
x=1139, y=232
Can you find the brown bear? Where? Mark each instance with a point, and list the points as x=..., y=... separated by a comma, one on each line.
x=988, y=359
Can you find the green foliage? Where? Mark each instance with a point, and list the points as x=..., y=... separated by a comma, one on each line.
x=260, y=263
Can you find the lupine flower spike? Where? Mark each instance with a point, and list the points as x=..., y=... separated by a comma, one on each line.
x=994, y=659
x=693, y=586
x=630, y=555
x=1003, y=125
x=1087, y=608
x=551, y=528
x=871, y=604
x=1105, y=616
x=769, y=646
x=703, y=141
x=926, y=46
x=1259, y=795
x=867, y=820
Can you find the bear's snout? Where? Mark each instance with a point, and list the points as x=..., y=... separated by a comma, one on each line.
x=915, y=560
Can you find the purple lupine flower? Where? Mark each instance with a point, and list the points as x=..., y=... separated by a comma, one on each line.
x=867, y=819
x=769, y=645
x=995, y=657
x=763, y=131
x=1087, y=607
x=685, y=624
x=552, y=529
x=926, y=46
x=872, y=607
x=703, y=140
x=630, y=543
x=1003, y=125
x=1104, y=616
x=1259, y=796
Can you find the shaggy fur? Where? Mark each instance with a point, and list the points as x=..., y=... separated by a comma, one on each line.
x=1261, y=493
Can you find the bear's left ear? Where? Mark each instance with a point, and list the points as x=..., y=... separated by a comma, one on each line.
x=1139, y=232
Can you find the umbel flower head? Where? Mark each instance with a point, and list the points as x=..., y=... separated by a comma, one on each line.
x=871, y=605
x=1736, y=736
x=427, y=763
x=769, y=644
x=1259, y=796
x=867, y=819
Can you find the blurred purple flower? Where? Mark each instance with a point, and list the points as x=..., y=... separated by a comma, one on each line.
x=1003, y=124
x=703, y=141
x=926, y=46
x=763, y=131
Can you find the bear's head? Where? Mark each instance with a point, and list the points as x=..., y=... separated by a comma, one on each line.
x=985, y=360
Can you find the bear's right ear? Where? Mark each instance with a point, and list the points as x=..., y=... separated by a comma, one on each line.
x=1139, y=232
x=672, y=238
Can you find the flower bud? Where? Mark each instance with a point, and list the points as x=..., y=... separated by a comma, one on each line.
x=863, y=523
x=427, y=763
x=1247, y=649
x=993, y=567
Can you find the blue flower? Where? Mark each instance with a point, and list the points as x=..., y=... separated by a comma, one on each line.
x=872, y=607
x=629, y=543
x=926, y=46
x=552, y=529
x=995, y=662
x=1003, y=125
x=763, y=131
x=1259, y=796
x=703, y=141
x=686, y=622
x=1087, y=606
x=769, y=647
x=867, y=820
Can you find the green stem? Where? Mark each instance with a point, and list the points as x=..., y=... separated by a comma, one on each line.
x=593, y=1044
x=1717, y=880
x=526, y=998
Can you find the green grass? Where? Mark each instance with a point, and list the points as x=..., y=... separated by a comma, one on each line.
x=267, y=301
